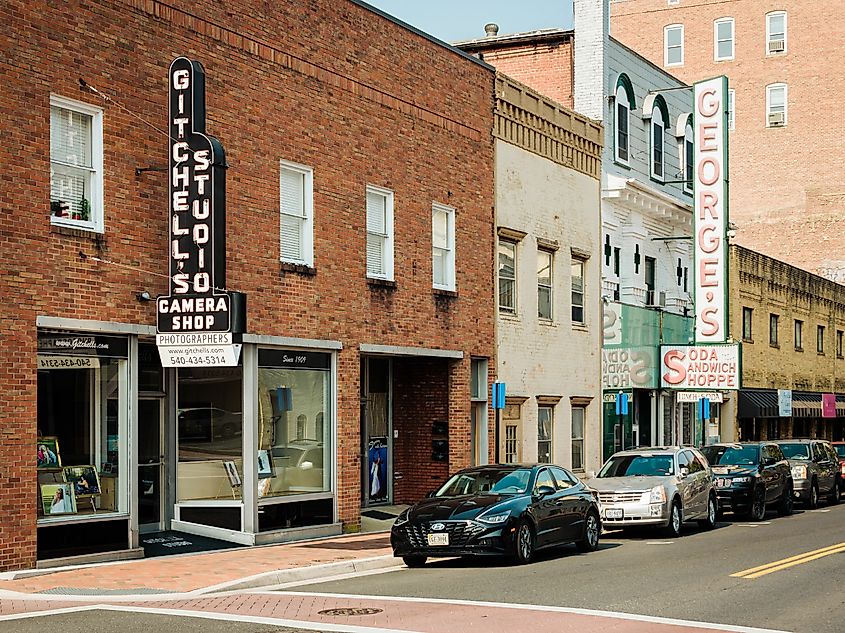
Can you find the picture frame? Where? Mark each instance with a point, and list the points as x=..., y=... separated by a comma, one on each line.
x=58, y=499
x=266, y=467
x=48, y=456
x=84, y=479
x=232, y=474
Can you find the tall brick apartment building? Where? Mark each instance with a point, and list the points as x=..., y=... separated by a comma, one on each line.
x=359, y=169
x=783, y=62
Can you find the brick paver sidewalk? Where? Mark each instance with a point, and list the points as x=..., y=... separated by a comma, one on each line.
x=192, y=572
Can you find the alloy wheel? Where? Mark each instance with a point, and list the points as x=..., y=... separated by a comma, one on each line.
x=524, y=543
x=814, y=496
x=592, y=530
x=676, y=518
x=758, y=508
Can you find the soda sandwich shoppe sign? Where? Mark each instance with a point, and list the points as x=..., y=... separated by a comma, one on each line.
x=199, y=321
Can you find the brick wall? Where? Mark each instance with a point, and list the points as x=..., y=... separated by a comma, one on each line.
x=787, y=183
x=322, y=83
x=546, y=67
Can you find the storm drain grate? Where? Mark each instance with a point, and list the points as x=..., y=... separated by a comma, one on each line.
x=351, y=611
x=84, y=591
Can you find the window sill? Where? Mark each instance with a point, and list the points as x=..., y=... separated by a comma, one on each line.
x=581, y=327
x=442, y=292
x=820, y=353
x=375, y=282
x=509, y=316
x=546, y=322
x=302, y=269
x=616, y=161
x=748, y=340
x=72, y=231
x=799, y=349
x=775, y=345
x=658, y=180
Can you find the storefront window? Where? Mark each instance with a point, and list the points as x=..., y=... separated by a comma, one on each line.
x=82, y=427
x=210, y=431
x=294, y=423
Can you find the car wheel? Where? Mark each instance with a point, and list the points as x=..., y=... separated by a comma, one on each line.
x=814, y=495
x=787, y=502
x=592, y=531
x=709, y=522
x=673, y=527
x=835, y=492
x=523, y=543
x=414, y=561
x=758, y=504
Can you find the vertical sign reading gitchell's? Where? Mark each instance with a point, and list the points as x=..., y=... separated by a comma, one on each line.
x=711, y=211
x=196, y=321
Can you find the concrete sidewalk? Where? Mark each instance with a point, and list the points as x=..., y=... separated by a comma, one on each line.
x=224, y=570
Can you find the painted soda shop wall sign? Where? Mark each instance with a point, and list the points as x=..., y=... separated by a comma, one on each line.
x=700, y=367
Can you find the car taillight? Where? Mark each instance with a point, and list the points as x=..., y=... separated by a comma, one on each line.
x=842, y=468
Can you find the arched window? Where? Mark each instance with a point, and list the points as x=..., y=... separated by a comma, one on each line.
x=776, y=33
x=659, y=122
x=688, y=159
x=622, y=118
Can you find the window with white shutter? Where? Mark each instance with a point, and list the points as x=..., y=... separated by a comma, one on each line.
x=379, y=233
x=443, y=247
x=296, y=232
x=76, y=164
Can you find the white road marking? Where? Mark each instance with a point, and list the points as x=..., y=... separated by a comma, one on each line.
x=753, y=525
x=660, y=542
x=821, y=511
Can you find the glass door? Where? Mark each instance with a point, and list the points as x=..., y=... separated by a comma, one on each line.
x=151, y=462
x=376, y=431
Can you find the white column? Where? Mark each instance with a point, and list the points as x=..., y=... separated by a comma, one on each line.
x=249, y=490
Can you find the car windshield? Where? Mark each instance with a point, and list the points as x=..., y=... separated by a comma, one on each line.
x=840, y=450
x=732, y=455
x=487, y=481
x=796, y=451
x=638, y=465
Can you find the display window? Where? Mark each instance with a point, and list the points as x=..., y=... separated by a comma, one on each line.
x=294, y=424
x=81, y=449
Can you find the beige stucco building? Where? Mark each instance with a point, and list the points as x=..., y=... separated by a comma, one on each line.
x=548, y=169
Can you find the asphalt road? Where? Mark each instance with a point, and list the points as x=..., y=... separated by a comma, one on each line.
x=688, y=578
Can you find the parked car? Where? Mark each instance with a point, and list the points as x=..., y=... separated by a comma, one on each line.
x=839, y=447
x=507, y=509
x=208, y=423
x=750, y=477
x=658, y=486
x=815, y=470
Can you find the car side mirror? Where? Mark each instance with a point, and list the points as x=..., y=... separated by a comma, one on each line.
x=684, y=472
x=544, y=491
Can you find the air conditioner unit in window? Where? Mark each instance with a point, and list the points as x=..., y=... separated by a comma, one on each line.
x=777, y=46
x=776, y=119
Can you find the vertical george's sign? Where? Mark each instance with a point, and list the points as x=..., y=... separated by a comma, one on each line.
x=199, y=316
x=711, y=210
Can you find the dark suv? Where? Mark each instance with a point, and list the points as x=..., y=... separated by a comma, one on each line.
x=751, y=476
x=815, y=470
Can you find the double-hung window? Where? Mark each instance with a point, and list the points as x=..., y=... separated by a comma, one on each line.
x=379, y=233
x=577, y=291
x=544, y=284
x=673, y=45
x=507, y=277
x=658, y=125
x=622, y=123
x=76, y=164
x=723, y=39
x=773, y=329
x=776, y=105
x=820, y=339
x=689, y=157
x=442, y=247
x=578, y=415
x=798, y=335
x=747, y=319
x=545, y=425
x=296, y=185
x=776, y=33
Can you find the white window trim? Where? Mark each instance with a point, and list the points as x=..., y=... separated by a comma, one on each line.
x=687, y=138
x=785, y=32
x=551, y=440
x=96, y=223
x=450, y=238
x=388, y=243
x=551, y=285
x=731, y=109
x=716, y=24
x=583, y=304
x=769, y=89
x=514, y=311
x=656, y=120
x=621, y=97
x=666, y=30
x=308, y=202
x=582, y=438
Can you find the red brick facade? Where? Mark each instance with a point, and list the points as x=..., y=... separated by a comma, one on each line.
x=786, y=183
x=322, y=83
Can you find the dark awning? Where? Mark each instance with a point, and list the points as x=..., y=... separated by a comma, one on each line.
x=758, y=403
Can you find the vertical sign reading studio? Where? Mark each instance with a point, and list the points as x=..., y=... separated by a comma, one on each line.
x=711, y=211
x=199, y=321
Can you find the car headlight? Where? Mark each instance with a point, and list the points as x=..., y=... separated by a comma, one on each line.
x=799, y=472
x=402, y=518
x=741, y=480
x=658, y=495
x=495, y=519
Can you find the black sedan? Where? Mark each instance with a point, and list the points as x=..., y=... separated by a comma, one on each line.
x=505, y=509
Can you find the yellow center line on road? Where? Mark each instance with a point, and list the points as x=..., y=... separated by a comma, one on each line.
x=786, y=563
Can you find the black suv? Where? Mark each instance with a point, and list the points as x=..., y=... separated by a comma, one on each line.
x=751, y=476
x=815, y=470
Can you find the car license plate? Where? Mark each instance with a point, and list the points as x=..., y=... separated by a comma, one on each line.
x=614, y=513
x=722, y=482
x=438, y=538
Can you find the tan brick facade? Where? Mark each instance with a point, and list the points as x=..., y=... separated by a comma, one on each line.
x=786, y=183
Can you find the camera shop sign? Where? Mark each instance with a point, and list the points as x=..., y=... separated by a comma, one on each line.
x=195, y=321
x=700, y=367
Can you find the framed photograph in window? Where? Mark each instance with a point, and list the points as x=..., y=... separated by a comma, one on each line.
x=58, y=499
x=232, y=473
x=84, y=480
x=265, y=465
x=48, y=456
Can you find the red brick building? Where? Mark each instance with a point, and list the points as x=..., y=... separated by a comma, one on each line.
x=360, y=226
x=782, y=61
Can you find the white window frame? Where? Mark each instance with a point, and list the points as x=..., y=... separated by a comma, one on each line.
x=769, y=89
x=545, y=252
x=449, y=259
x=96, y=221
x=387, y=236
x=513, y=310
x=667, y=47
x=657, y=123
x=550, y=441
x=731, y=109
x=583, y=264
x=306, y=237
x=769, y=17
x=716, y=24
x=686, y=165
x=621, y=99
x=578, y=440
